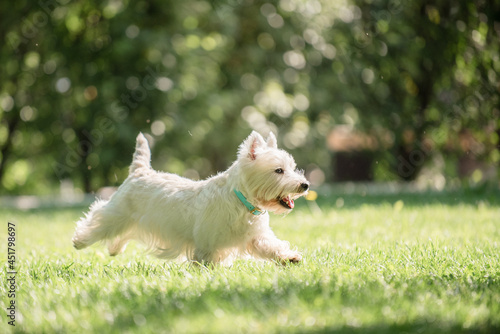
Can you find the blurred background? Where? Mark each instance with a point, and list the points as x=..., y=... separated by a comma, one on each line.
x=366, y=91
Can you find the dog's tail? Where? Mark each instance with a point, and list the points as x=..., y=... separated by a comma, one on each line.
x=142, y=155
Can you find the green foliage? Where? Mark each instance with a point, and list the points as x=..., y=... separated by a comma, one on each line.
x=80, y=79
x=414, y=263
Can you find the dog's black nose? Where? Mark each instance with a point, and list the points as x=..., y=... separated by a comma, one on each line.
x=304, y=186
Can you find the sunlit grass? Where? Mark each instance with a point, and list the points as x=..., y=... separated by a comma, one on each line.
x=414, y=263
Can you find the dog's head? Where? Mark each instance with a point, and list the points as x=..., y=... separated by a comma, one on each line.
x=270, y=175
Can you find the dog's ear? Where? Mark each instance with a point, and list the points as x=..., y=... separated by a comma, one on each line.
x=251, y=145
x=271, y=141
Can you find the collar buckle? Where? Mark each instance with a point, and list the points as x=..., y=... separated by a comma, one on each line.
x=257, y=212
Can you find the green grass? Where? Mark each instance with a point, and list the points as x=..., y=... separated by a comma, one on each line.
x=421, y=263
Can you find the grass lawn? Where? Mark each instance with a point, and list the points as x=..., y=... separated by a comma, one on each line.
x=417, y=263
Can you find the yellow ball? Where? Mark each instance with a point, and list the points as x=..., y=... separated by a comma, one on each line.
x=311, y=195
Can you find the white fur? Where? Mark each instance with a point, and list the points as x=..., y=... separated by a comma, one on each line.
x=201, y=220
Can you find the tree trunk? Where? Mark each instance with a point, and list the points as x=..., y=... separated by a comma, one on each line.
x=6, y=149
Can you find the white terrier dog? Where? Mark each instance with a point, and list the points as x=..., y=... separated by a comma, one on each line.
x=206, y=221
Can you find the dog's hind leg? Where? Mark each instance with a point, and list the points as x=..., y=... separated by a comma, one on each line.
x=205, y=257
x=87, y=228
x=103, y=221
x=117, y=245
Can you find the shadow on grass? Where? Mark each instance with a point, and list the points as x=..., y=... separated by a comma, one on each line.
x=416, y=327
x=199, y=307
x=340, y=200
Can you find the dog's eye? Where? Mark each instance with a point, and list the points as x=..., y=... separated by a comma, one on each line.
x=279, y=170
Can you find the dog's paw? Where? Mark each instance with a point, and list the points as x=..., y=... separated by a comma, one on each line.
x=292, y=258
x=78, y=244
x=296, y=258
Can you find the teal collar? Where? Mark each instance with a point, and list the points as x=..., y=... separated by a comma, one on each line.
x=253, y=210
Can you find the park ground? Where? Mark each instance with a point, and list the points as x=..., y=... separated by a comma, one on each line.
x=373, y=263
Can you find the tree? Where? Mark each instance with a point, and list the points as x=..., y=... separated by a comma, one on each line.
x=82, y=78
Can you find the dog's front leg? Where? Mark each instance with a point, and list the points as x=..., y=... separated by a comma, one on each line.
x=268, y=246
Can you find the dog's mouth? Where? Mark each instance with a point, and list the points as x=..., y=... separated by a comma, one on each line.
x=287, y=202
